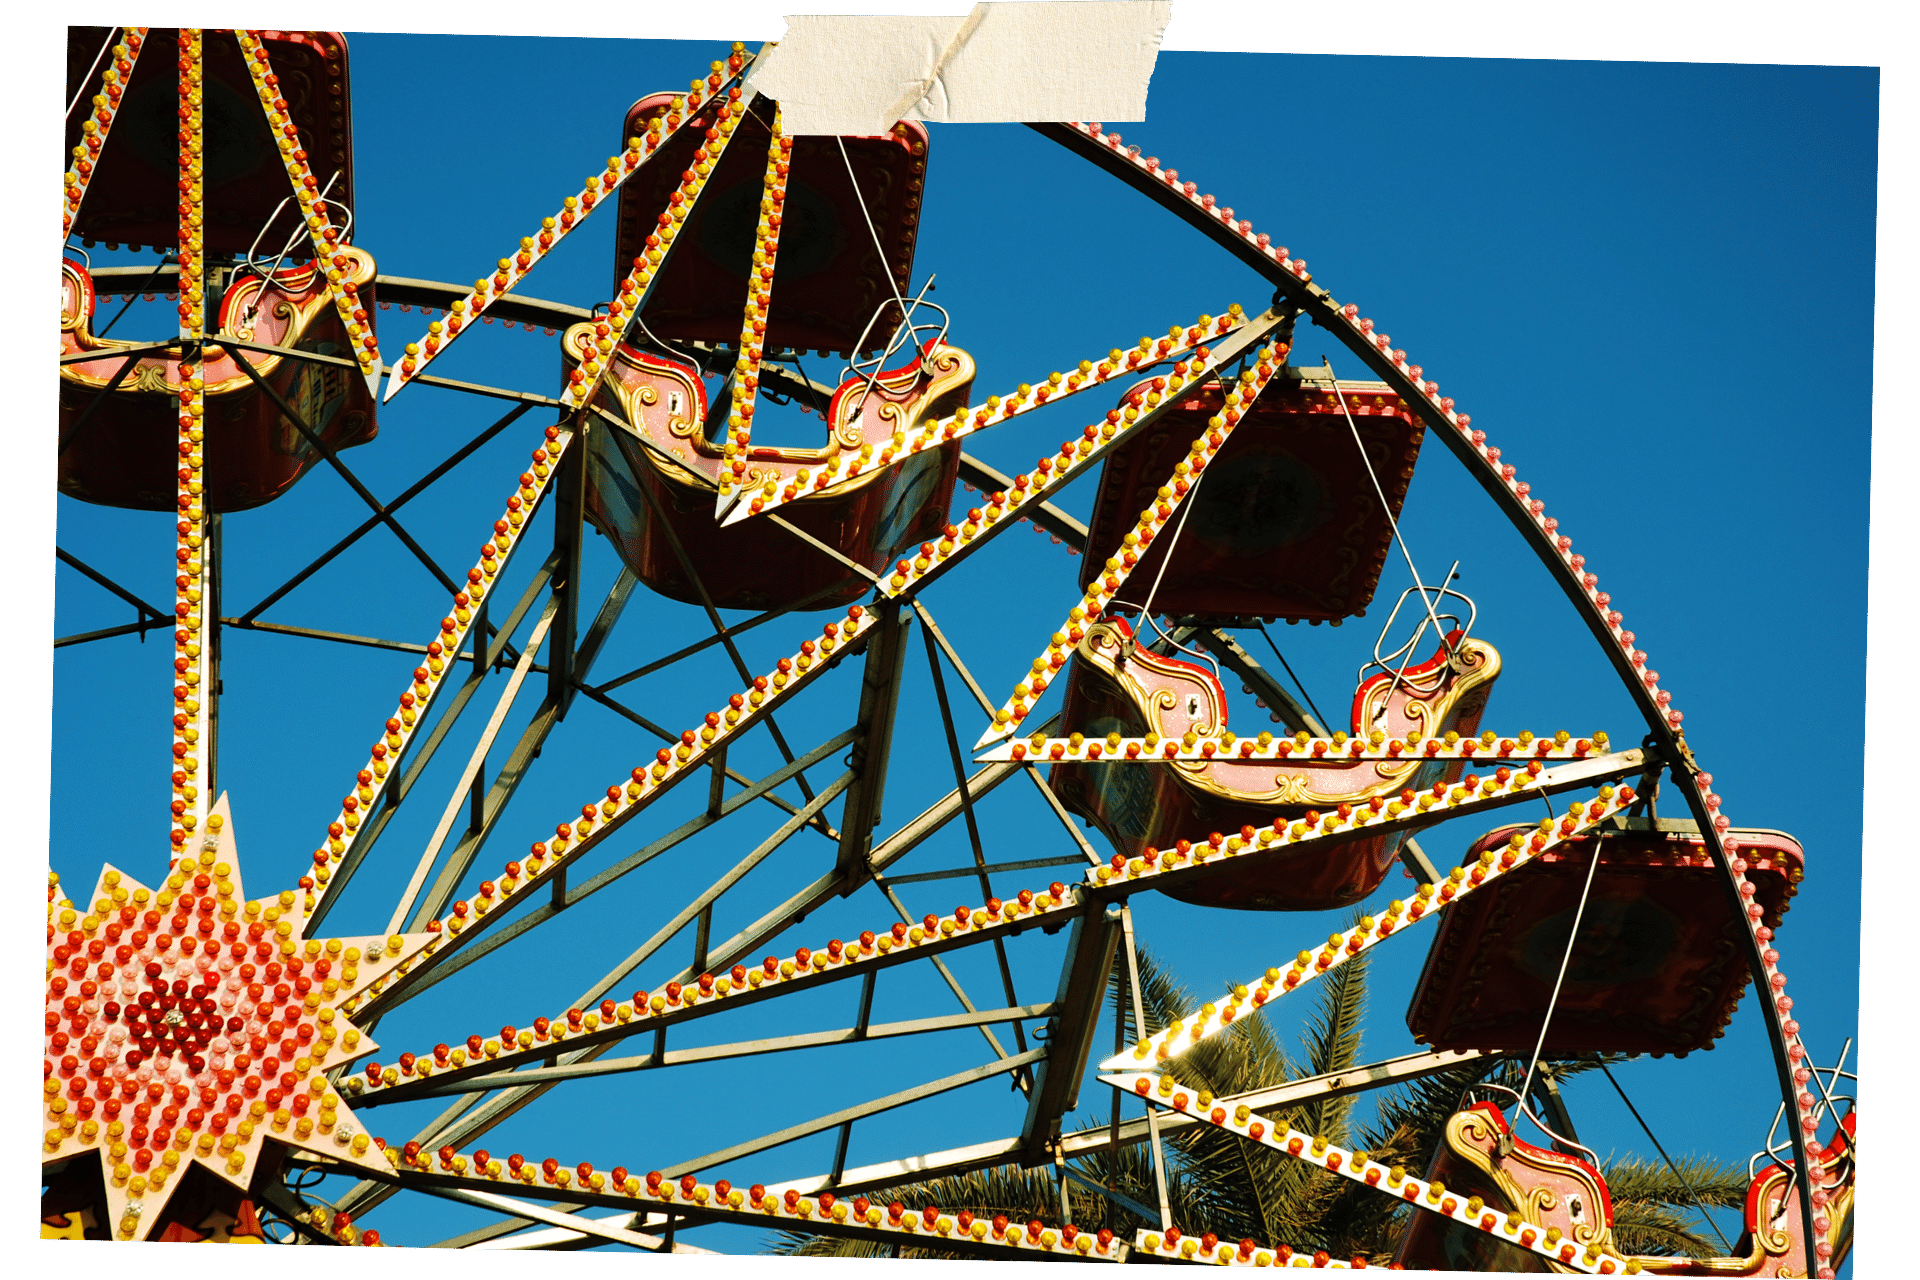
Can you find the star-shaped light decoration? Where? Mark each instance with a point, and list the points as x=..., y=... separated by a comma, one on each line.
x=187, y=1023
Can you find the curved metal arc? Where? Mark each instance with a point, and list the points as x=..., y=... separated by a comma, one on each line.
x=1321, y=307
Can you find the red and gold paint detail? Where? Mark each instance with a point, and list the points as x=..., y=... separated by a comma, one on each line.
x=192, y=640
x=611, y=1020
x=1177, y=1246
x=598, y=189
x=600, y=817
x=441, y=658
x=721, y=122
x=1522, y=848
x=917, y=437
x=241, y=1226
x=1163, y=1092
x=64, y=1226
x=1186, y=474
x=190, y=1024
x=1302, y=747
x=105, y=105
x=753, y=325
x=326, y=237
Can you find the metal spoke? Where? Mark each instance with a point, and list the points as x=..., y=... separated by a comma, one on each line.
x=125, y=629
x=706, y=602
x=353, y=482
x=1140, y=1028
x=540, y=914
x=67, y=557
x=419, y=486
x=996, y=868
x=594, y=1227
x=819, y=822
x=419, y=754
x=719, y=637
x=940, y=965
x=477, y=761
x=723, y=1052
x=339, y=637
x=973, y=826
x=712, y=893
x=507, y=781
x=958, y=1080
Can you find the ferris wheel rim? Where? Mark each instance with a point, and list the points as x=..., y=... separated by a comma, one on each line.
x=1659, y=723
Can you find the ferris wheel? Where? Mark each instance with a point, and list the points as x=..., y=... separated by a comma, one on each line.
x=210, y=1054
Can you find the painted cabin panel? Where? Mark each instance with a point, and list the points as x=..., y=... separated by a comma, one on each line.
x=123, y=453
x=652, y=482
x=1656, y=967
x=1116, y=686
x=1285, y=523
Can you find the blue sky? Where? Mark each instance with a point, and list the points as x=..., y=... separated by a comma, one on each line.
x=1594, y=259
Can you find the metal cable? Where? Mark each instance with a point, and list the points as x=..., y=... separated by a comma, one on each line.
x=1644, y=1128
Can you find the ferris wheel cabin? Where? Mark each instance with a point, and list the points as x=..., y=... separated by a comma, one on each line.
x=1567, y=1206
x=1118, y=686
x=1286, y=522
x=1653, y=969
x=657, y=447
x=117, y=410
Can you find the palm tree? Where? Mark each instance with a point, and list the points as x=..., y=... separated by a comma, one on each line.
x=1239, y=1190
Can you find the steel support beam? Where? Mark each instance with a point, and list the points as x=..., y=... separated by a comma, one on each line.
x=992, y=869
x=724, y=1052
x=107, y=633
x=637, y=458
x=146, y=610
x=721, y=769
x=340, y=637
x=569, y=507
x=1083, y=986
x=719, y=637
x=419, y=754
x=527, y=749
x=820, y=1124
x=600, y=1229
x=833, y=884
x=367, y=526
x=410, y=985
x=326, y=451
x=879, y=699
x=465, y=789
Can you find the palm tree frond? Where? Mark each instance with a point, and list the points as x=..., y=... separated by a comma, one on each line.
x=1652, y=1230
